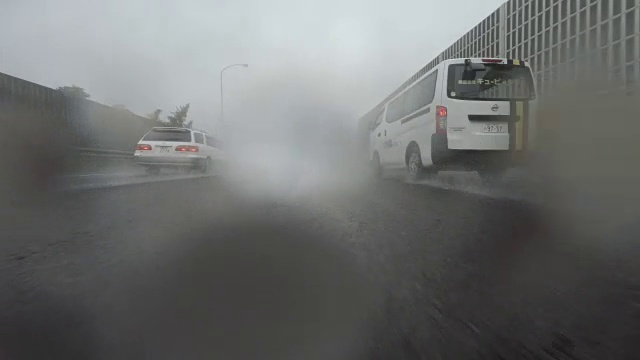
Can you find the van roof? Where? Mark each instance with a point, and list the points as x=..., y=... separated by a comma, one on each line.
x=487, y=60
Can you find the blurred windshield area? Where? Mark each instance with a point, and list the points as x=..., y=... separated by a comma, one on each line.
x=347, y=196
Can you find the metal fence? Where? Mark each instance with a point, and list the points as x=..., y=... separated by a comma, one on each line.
x=561, y=39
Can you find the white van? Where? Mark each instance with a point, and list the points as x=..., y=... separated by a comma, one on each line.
x=173, y=147
x=463, y=114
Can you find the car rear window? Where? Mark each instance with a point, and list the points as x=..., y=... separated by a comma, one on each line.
x=176, y=135
x=494, y=82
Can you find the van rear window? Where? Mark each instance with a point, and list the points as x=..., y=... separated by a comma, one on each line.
x=494, y=82
x=175, y=135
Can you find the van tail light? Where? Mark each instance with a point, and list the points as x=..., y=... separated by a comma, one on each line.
x=187, y=148
x=143, y=147
x=441, y=120
x=492, y=61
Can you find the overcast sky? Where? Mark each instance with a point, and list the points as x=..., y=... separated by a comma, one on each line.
x=335, y=55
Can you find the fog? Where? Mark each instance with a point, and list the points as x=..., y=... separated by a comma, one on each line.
x=310, y=63
x=162, y=54
x=156, y=269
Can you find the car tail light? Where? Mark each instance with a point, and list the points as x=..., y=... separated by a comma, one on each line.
x=491, y=61
x=143, y=147
x=187, y=148
x=441, y=120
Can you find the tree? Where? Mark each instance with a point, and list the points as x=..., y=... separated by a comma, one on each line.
x=178, y=118
x=74, y=91
x=155, y=115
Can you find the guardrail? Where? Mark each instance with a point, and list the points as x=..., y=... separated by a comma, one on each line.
x=81, y=160
x=104, y=152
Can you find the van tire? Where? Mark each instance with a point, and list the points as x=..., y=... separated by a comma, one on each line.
x=415, y=170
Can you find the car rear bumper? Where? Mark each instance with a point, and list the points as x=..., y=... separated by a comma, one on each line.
x=446, y=158
x=149, y=160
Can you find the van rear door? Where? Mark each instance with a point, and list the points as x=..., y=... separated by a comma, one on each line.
x=486, y=101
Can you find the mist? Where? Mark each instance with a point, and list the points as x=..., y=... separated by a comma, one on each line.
x=165, y=54
x=293, y=250
x=292, y=124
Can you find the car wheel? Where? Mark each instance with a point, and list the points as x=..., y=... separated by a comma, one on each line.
x=415, y=169
x=206, y=166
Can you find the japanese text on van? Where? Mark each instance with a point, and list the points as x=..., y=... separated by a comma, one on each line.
x=490, y=82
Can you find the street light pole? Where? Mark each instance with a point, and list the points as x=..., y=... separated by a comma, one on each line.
x=222, y=90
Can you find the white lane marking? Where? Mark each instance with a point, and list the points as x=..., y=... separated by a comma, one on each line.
x=110, y=174
x=497, y=191
x=124, y=182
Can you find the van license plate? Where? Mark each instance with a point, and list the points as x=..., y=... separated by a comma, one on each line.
x=164, y=149
x=494, y=128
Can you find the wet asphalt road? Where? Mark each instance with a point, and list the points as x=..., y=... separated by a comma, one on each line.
x=204, y=268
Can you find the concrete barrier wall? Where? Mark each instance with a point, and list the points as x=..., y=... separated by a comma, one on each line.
x=104, y=127
x=85, y=123
x=23, y=103
x=33, y=137
x=42, y=132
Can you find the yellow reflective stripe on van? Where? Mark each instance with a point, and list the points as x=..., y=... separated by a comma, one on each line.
x=519, y=126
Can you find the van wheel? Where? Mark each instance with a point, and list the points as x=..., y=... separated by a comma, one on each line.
x=376, y=168
x=415, y=169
